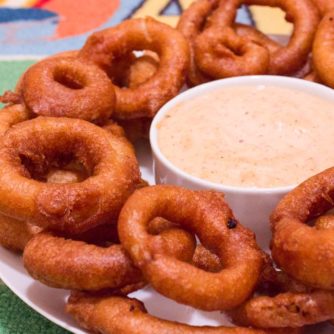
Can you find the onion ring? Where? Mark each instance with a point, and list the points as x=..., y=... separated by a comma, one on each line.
x=70, y=208
x=14, y=234
x=285, y=60
x=197, y=18
x=116, y=315
x=103, y=47
x=71, y=264
x=65, y=54
x=207, y=215
x=312, y=265
x=67, y=86
x=323, y=48
x=221, y=53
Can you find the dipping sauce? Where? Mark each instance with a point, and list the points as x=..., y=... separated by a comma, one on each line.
x=250, y=136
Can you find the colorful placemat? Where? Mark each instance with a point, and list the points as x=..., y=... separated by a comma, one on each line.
x=31, y=29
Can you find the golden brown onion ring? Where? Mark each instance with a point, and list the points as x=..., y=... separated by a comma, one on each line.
x=71, y=264
x=207, y=215
x=287, y=59
x=104, y=46
x=118, y=315
x=65, y=54
x=304, y=252
x=72, y=208
x=68, y=87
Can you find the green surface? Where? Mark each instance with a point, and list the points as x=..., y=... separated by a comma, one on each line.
x=17, y=318
x=10, y=71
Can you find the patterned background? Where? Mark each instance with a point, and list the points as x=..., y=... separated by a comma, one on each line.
x=30, y=29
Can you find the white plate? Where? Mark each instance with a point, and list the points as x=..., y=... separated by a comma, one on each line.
x=50, y=302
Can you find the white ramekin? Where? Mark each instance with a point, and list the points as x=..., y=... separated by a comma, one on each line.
x=252, y=206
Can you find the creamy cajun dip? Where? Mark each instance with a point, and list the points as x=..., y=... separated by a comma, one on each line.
x=252, y=136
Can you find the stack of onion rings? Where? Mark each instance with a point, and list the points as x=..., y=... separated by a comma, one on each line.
x=218, y=52
x=107, y=79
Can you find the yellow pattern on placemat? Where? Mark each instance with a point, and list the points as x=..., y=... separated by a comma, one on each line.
x=154, y=7
x=270, y=20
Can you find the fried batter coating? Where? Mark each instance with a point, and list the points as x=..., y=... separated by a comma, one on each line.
x=104, y=47
x=304, y=252
x=30, y=148
x=71, y=264
x=208, y=216
x=120, y=315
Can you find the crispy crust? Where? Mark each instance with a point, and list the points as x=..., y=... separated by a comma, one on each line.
x=68, y=87
x=141, y=34
x=221, y=53
x=71, y=208
x=120, y=315
x=290, y=58
x=305, y=252
x=208, y=216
